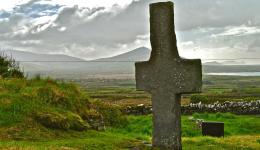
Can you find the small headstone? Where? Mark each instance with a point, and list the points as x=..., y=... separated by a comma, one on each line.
x=215, y=129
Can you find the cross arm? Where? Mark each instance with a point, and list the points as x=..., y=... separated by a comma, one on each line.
x=143, y=75
x=192, y=76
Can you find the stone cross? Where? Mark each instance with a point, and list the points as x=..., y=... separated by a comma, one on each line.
x=166, y=76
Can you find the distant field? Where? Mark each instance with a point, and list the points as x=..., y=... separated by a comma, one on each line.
x=115, y=70
x=215, y=88
x=231, y=68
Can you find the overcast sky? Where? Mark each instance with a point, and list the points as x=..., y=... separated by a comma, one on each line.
x=99, y=28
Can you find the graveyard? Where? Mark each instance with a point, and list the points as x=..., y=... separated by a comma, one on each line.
x=170, y=104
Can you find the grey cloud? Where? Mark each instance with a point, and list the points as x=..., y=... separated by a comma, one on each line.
x=99, y=32
x=255, y=45
x=105, y=31
x=215, y=13
x=8, y=25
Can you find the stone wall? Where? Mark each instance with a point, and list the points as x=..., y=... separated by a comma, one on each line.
x=240, y=108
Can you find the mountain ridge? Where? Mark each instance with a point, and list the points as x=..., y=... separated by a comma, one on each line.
x=30, y=56
x=138, y=54
x=67, y=66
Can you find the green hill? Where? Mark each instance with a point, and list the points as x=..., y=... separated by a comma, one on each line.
x=44, y=108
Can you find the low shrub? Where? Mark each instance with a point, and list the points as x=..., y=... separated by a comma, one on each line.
x=94, y=118
x=196, y=98
x=9, y=68
x=111, y=114
x=258, y=141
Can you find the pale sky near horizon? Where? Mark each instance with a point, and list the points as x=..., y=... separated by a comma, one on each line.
x=92, y=29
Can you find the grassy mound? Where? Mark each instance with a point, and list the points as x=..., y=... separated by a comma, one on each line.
x=44, y=108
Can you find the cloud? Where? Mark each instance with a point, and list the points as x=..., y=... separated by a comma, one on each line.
x=73, y=28
x=101, y=28
x=186, y=44
x=9, y=5
x=254, y=46
x=239, y=31
x=218, y=13
x=90, y=4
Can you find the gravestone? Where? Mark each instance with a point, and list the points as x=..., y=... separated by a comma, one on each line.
x=215, y=129
x=166, y=76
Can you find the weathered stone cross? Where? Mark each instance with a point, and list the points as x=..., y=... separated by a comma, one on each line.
x=166, y=76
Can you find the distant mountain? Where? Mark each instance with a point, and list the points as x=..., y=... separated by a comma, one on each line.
x=63, y=66
x=217, y=63
x=32, y=62
x=29, y=56
x=48, y=64
x=119, y=64
x=212, y=63
x=139, y=54
x=233, y=62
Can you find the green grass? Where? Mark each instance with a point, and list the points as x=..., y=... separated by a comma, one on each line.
x=106, y=141
x=91, y=140
x=227, y=143
x=139, y=130
x=234, y=125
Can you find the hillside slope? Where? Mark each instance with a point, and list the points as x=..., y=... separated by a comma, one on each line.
x=44, y=108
